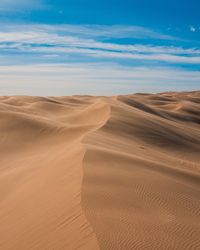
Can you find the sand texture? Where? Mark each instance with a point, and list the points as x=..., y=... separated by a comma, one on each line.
x=83, y=172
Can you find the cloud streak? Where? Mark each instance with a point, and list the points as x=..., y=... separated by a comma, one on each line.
x=40, y=49
x=91, y=42
x=93, y=78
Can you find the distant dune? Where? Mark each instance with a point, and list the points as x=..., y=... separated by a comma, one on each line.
x=85, y=172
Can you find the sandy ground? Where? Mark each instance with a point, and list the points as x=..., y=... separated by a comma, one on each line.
x=85, y=172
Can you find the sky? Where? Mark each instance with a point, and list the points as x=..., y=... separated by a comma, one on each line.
x=105, y=47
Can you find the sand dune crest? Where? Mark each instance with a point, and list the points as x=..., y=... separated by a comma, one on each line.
x=87, y=172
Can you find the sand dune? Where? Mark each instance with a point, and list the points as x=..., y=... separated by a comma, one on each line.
x=85, y=172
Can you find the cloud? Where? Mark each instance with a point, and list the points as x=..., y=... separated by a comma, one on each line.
x=111, y=31
x=192, y=28
x=101, y=32
x=89, y=43
x=43, y=37
x=93, y=78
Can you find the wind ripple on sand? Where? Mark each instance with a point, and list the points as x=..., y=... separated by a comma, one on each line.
x=87, y=172
x=141, y=186
x=41, y=172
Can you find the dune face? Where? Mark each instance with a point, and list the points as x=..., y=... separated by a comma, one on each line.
x=86, y=172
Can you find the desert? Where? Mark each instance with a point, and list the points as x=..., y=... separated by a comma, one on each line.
x=99, y=172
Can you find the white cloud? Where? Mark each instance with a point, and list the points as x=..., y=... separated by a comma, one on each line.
x=73, y=39
x=111, y=31
x=35, y=43
x=192, y=28
x=93, y=78
x=42, y=37
x=101, y=32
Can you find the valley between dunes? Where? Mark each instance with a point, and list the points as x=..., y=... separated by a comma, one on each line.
x=85, y=172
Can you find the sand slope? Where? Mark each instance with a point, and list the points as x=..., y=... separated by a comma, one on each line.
x=86, y=172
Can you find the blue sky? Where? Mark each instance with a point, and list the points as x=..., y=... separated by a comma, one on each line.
x=98, y=47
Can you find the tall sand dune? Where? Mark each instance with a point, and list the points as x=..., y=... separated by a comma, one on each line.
x=89, y=173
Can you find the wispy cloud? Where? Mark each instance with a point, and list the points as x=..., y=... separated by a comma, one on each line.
x=100, y=32
x=93, y=78
x=90, y=41
x=67, y=43
x=108, y=31
x=193, y=29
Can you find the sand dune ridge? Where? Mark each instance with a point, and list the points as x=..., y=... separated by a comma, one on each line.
x=85, y=172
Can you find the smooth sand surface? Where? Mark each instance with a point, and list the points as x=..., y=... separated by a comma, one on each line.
x=85, y=172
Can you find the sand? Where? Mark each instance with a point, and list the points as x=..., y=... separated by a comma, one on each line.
x=83, y=172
